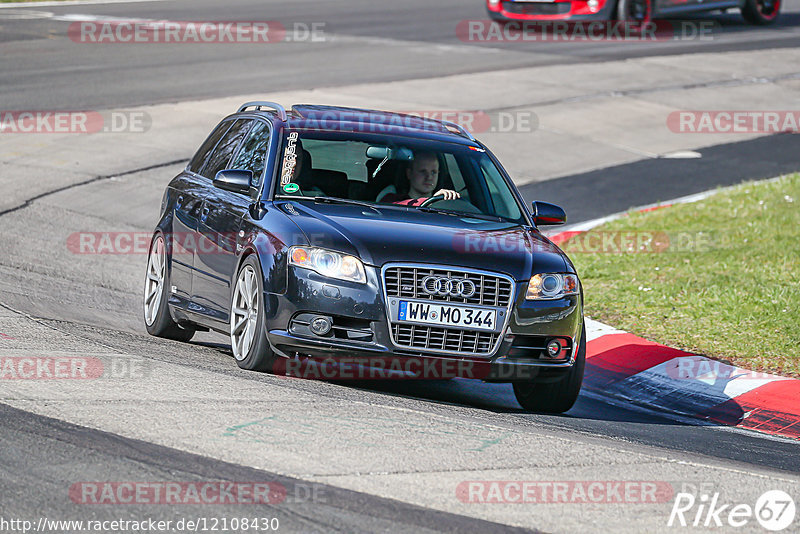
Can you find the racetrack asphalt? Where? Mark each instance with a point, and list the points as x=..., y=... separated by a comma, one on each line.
x=401, y=449
x=362, y=42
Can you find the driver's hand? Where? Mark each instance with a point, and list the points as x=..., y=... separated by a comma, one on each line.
x=448, y=194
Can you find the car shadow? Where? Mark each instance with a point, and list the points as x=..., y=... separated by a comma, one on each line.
x=499, y=398
x=732, y=21
x=664, y=379
x=606, y=396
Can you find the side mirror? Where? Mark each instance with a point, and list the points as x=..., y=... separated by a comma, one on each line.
x=234, y=180
x=545, y=214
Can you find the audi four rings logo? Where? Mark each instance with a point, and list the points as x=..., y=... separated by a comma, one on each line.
x=443, y=286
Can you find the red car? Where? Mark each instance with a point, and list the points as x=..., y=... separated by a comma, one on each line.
x=640, y=11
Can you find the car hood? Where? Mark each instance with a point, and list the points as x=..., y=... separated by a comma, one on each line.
x=382, y=235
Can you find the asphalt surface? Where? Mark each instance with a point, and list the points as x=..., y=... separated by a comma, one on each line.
x=298, y=506
x=96, y=301
x=616, y=189
x=362, y=42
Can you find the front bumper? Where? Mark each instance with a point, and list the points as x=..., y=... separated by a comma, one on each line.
x=359, y=308
x=544, y=11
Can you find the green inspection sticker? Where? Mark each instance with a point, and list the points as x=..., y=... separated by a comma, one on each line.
x=291, y=188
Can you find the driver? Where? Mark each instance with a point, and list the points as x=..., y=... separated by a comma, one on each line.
x=422, y=178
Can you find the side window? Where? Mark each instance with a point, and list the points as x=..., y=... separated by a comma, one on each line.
x=253, y=154
x=202, y=154
x=222, y=153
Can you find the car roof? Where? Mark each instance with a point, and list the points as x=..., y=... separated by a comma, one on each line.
x=360, y=120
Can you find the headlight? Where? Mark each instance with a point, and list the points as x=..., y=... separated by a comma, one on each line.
x=552, y=286
x=328, y=263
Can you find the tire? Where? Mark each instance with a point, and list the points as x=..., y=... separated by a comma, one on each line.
x=496, y=18
x=248, y=319
x=556, y=397
x=761, y=12
x=635, y=12
x=157, y=319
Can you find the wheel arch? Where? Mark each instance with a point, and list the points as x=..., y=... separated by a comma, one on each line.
x=272, y=264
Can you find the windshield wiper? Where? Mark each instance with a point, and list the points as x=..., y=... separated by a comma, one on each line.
x=454, y=213
x=336, y=200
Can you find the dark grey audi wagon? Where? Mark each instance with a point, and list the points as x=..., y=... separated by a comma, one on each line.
x=329, y=236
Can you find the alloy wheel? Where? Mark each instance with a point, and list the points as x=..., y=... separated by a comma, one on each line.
x=244, y=312
x=154, y=285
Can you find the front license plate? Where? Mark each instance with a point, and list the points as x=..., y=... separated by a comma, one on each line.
x=444, y=315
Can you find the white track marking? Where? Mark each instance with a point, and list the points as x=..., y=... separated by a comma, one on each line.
x=72, y=3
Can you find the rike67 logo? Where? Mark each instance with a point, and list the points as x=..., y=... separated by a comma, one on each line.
x=774, y=510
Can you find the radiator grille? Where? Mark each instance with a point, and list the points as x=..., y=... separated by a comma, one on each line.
x=491, y=290
x=537, y=8
x=448, y=339
x=406, y=282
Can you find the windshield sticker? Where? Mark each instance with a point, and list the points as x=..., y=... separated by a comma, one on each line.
x=291, y=188
x=289, y=159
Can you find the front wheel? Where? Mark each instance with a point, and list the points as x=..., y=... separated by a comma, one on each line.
x=761, y=12
x=157, y=319
x=635, y=13
x=248, y=319
x=555, y=397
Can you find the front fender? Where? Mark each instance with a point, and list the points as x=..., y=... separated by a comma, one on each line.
x=269, y=238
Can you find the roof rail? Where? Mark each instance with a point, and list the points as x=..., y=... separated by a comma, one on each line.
x=264, y=104
x=461, y=130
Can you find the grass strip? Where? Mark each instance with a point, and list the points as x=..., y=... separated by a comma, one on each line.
x=719, y=277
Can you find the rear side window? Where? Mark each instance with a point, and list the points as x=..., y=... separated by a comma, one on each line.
x=202, y=154
x=253, y=154
x=225, y=148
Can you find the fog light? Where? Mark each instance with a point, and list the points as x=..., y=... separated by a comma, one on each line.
x=593, y=4
x=553, y=348
x=321, y=325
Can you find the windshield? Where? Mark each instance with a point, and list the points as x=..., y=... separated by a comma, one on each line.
x=390, y=170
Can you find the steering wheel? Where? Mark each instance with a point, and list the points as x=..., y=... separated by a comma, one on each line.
x=431, y=200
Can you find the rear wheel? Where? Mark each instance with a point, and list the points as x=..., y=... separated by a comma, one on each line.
x=555, y=397
x=248, y=327
x=157, y=319
x=761, y=12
